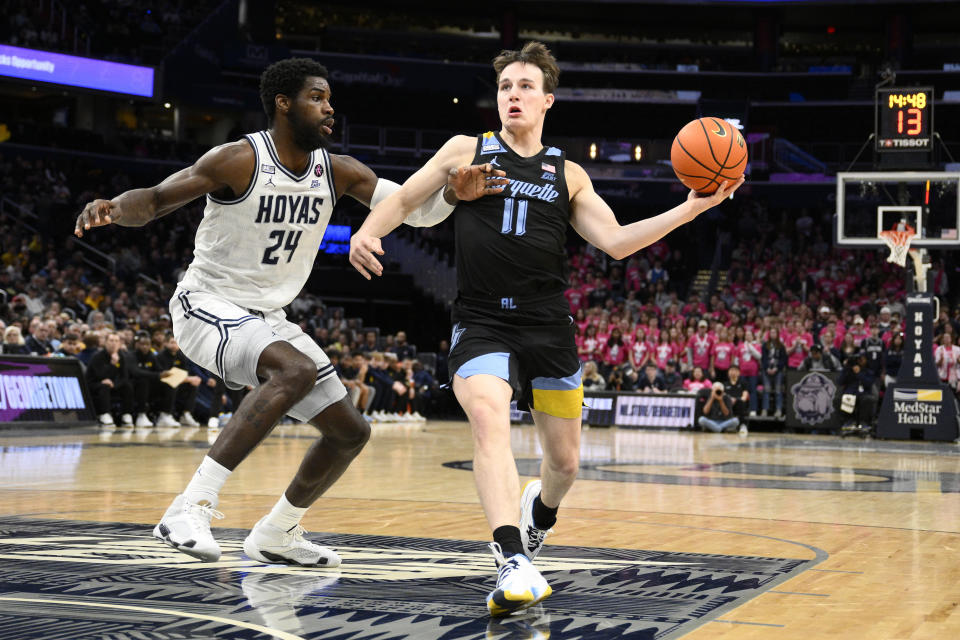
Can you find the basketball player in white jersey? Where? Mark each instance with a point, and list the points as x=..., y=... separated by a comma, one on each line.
x=269, y=198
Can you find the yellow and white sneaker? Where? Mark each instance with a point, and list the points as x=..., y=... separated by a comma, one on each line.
x=272, y=545
x=531, y=537
x=519, y=584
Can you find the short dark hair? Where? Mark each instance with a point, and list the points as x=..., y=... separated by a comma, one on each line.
x=286, y=77
x=535, y=53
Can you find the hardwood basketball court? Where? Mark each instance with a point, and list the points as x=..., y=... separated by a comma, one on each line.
x=802, y=537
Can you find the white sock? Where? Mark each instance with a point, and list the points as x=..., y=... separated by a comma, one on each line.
x=207, y=482
x=284, y=515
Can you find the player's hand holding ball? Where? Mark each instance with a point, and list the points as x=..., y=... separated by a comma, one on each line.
x=709, y=156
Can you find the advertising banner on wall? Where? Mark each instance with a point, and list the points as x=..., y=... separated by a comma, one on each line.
x=625, y=409
x=43, y=391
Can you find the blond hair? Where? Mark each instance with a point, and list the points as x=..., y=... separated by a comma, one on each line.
x=535, y=53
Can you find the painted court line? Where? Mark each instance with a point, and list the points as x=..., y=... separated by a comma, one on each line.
x=755, y=624
x=170, y=612
x=800, y=593
x=836, y=571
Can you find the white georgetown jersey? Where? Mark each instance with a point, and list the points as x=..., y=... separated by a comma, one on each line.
x=257, y=251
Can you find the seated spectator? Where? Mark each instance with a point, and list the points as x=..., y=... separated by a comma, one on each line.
x=70, y=346
x=185, y=395
x=369, y=342
x=622, y=378
x=37, y=341
x=651, y=381
x=108, y=378
x=672, y=380
x=13, y=343
x=404, y=350
x=384, y=397
x=717, y=415
x=91, y=344
x=150, y=392
x=592, y=379
x=427, y=389
x=697, y=381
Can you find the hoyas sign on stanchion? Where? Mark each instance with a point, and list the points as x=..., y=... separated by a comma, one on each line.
x=918, y=400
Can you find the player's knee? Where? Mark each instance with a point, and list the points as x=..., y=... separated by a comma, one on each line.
x=297, y=376
x=484, y=414
x=356, y=434
x=567, y=464
x=490, y=435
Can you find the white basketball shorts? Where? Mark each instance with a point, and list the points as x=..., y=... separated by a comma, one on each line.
x=227, y=341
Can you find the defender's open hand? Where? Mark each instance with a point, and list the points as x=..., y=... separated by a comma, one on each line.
x=98, y=213
x=477, y=180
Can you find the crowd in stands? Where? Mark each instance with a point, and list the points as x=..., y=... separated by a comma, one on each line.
x=127, y=31
x=790, y=301
x=636, y=333
x=53, y=302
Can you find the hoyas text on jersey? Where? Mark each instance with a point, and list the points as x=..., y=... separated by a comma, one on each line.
x=292, y=209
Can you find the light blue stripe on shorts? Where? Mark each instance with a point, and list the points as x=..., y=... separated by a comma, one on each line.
x=557, y=384
x=494, y=364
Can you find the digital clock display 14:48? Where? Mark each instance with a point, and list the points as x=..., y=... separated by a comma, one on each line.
x=904, y=119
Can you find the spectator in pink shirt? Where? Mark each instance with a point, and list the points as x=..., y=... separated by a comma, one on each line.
x=697, y=381
x=747, y=356
x=798, y=344
x=700, y=346
x=721, y=355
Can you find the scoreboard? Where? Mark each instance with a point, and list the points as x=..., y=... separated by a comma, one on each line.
x=904, y=119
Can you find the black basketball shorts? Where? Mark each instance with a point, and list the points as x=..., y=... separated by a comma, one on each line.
x=533, y=350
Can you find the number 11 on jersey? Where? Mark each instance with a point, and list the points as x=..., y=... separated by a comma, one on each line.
x=508, y=213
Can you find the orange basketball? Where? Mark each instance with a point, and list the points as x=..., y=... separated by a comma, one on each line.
x=706, y=152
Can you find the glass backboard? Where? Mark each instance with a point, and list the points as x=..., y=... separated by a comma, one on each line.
x=870, y=202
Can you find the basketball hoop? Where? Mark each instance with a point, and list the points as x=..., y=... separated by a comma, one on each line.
x=898, y=241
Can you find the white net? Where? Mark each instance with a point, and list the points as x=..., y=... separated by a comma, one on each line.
x=898, y=241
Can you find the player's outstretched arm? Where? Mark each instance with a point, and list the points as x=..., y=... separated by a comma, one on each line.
x=355, y=179
x=229, y=165
x=389, y=213
x=593, y=219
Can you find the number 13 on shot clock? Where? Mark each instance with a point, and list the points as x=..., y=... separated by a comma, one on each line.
x=904, y=119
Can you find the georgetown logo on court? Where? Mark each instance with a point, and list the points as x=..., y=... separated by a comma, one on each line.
x=813, y=398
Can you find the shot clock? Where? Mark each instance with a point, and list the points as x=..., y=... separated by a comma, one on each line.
x=904, y=119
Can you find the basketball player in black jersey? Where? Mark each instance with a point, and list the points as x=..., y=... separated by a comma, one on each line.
x=513, y=336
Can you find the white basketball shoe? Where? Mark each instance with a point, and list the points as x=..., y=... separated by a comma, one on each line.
x=519, y=584
x=272, y=545
x=531, y=537
x=186, y=527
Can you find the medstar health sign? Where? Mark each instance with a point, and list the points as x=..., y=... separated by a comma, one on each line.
x=918, y=400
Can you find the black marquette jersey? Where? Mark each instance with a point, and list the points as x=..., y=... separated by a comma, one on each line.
x=513, y=243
